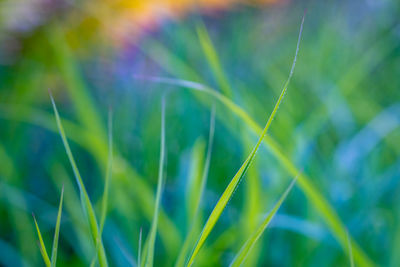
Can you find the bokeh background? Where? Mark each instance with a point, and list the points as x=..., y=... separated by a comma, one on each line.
x=339, y=124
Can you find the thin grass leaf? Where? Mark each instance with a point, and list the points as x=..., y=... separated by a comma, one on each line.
x=351, y=258
x=252, y=203
x=247, y=247
x=85, y=201
x=140, y=248
x=196, y=217
x=57, y=231
x=104, y=205
x=42, y=247
x=160, y=183
x=212, y=58
x=226, y=196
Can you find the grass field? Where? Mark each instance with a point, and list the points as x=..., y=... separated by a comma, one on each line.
x=238, y=136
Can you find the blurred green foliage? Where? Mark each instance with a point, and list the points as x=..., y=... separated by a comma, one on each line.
x=339, y=124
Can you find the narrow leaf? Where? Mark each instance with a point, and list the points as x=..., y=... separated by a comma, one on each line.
x=140, y=248
x=57, y=231
x=85, y=201
x=108, y=173
x=212, y=58
x=42, y=247
x=153, y=229
x=195, y=224
x=246, y=248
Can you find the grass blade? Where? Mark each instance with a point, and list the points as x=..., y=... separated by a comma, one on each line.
x=212, y=58
x=57, y=231
x=104, y=203
x=246, y=248
x=42, y=247
x=108, y=174
x=227, y=194
x=140, y=248
x=195, y=223
x=153, y=229
x=85, y=201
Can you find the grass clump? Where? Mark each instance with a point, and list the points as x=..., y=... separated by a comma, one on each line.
x=47, y=261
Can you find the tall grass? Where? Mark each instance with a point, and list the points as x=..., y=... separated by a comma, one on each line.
x=85, y=201
x=230, y=189
x=132, y=189
x=167, y=60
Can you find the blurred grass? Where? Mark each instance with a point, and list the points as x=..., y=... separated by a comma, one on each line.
x=339, y=121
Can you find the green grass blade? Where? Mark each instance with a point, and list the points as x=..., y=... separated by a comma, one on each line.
x=104, y=203
x=246, y=248
x=230, y=189
x=57, y=231
x=195, y=223
x=252, y=203
x=85, y=201
x=351, y=258
x=42, y=247
x=212, y=58
x=153, y=229
x=140, y=249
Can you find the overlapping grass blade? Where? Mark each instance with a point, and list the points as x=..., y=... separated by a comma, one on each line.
x=153, y=229
x=227, y=194
x=212, y=58
x=57, y=231
x=42, y=247
x=246, y=248
x=195, y=222
x=85, y=201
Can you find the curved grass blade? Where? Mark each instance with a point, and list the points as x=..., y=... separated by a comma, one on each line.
x=104, y=204
x=153, y=229
x=226, y=196
x=57, y=231
x=42, y=247
x=195, y=224
x=212, y=58
x=246, y=248
x=85, y=201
